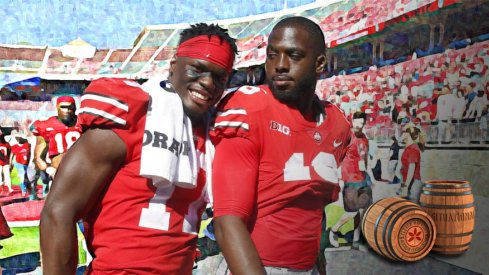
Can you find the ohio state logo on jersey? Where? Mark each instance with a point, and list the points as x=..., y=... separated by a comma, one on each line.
x=317, y=137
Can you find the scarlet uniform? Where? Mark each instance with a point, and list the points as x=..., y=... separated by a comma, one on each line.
x=287, y=173
x=58, y=136
x=114, y=235
x=22, y=153
x=357, y=153
x=4, y=154
x=412, y=154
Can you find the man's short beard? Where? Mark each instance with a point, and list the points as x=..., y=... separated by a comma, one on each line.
x=69, y=121
x=293, y=95
x=285, y=97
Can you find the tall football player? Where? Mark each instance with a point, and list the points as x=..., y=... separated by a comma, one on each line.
x=136, y=220
x=278, y=148
x=54, y=136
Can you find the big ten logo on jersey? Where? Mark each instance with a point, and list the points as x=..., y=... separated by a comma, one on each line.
x=64, y=140
x=324, y=165
x=280, y=128
x=160, y=140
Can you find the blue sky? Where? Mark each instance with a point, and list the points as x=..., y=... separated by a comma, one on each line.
x=114, y=24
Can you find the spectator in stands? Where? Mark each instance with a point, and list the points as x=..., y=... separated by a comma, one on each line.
x=405, y=112
x=470, y=94
x=255, y=75
x=452, y=74
x=410, y=164
x=366, y=96
x=458, y=113
x=5, y=152
x=477, y=106
x=141, y=215
x=394, y=176
x=423, y=108
x=445, y=105
x=21, y=154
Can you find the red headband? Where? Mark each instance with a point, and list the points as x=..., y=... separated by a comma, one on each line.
x=208, y=49
x=65, y=98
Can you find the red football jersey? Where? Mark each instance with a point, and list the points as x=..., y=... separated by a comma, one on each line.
x=4, y=154
x=58, y=136
x=136, y=228
x=22, y=153
x=412, y=154
x=357, y=152
x=281, y=183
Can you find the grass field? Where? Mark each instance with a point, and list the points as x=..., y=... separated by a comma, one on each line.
x=26, y=240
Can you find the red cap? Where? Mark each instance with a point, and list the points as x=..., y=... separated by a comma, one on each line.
x=65, y=98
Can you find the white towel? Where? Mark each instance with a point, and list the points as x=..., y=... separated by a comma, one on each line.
x=166, y=117
x=209, y=158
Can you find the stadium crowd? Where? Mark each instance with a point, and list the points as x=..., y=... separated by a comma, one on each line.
x=449, y=87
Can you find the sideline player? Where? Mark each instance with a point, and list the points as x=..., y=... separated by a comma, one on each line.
x=5, y=151
x=54, y=136
x=357, y=177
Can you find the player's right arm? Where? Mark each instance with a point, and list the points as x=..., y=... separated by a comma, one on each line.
x=39, y=151
x=83, y=174
x=234, y=179
x=79, y=181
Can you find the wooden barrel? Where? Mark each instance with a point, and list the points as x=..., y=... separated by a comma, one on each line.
x=451, y=205
x=399, y=229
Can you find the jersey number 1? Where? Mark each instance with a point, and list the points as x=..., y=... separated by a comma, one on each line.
x=156, y=215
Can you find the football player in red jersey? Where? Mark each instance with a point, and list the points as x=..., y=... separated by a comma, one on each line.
x=357, y=176
x=278, y=148
x=54, y=136
x=133, y=224
x=21, y=156
x=5, y=151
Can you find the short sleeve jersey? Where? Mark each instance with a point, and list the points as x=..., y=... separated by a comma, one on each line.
x=412, y=154
x=297, y=173
x=166, y=244
x=5, y=150
x=357, y=152
x=58, y=136
x=22, y=153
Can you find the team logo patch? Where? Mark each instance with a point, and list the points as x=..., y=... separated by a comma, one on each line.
x=317, y=137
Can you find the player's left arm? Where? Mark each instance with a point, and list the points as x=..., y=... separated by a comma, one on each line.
x=39, y=150
x=321, y=259
x=410, y=173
